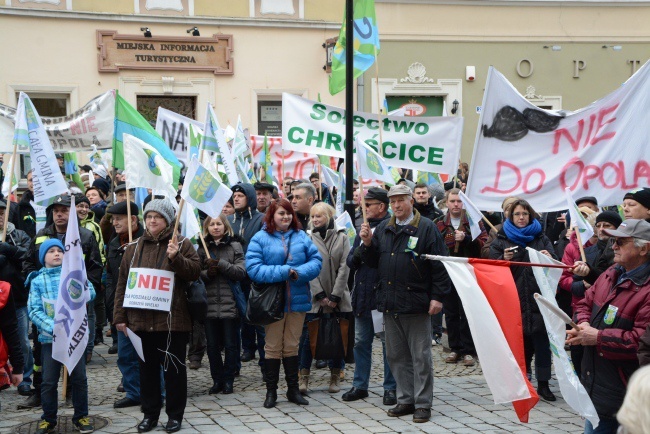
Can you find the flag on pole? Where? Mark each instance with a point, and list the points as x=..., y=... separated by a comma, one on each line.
x=491, y=302
x=30, y=133
x=196, y=136
x=366, y=44
x=428, y=178
x=190, y=225
x=70, y=331
x=204, y=191
x=473, y=215
x=71, y=169
x=145, y=167
x=577, y=219
x=571, y=388
x=239, y=146
x=345, y=221
x=215, y=141
x=265, y=161
x=96, y=159
x=10, y=183
x=129, y=121
x=372, y=165
x=340, y=192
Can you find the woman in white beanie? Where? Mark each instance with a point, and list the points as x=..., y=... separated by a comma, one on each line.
x=164, y=334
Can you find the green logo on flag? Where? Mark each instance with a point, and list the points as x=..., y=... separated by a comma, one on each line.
x=151, y=162
x=374, y=164
x=132, y=279
x=202, y=188
x=75, y=289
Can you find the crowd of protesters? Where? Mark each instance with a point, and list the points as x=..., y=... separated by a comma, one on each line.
x=267, y=235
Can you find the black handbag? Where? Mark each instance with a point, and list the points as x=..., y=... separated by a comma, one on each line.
x=197, y=301
x=326, y=336
x=266, y=300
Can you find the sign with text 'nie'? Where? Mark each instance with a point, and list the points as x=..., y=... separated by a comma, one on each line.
x=148, y=288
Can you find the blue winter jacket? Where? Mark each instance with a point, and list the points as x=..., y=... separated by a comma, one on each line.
x=265, y=264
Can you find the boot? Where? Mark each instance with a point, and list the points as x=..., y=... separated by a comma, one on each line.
x=335, y=376
x=304, y=381
x=291, y=375
x=272, y=376
x=544, y=391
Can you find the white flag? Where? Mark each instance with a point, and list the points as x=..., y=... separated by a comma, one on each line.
x=145, y=167
x=372, y=165
x=577, y=219
x=190, y=226
x=345, y=221
x=239, y=146
x=473, y=215
x=204, y=191
x=572, y=390
x=12, y=175
x=29, y=132
x=70, y=332
x=215, y=141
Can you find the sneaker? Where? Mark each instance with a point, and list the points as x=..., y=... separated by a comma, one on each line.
x=45, y=427
x=83, y=425
x=436, y=341
x=453, y=357
x=468, y=360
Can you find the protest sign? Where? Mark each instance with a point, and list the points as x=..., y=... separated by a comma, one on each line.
x=431, y=144
x=148, y=288
x=91, y=124
x=175, y=131
x=521, y=150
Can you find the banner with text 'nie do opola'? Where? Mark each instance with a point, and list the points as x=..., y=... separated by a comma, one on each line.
x=431, y=144
x=521, y=150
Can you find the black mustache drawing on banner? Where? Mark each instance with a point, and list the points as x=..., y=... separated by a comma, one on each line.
x=510, y=124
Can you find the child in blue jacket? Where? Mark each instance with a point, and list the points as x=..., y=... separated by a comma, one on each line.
x=44, y=291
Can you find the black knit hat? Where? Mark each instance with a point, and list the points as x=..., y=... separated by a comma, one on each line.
x=81, y=198
x=610, y=217
x=641, y=195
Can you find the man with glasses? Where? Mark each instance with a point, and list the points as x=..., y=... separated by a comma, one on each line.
x=286, y=186
x=363, y=303
x=612, y=316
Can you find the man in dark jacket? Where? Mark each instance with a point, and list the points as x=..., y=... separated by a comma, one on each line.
x=611, y=318
x=363, y=303
x=246, y=222
x=424, y=202
x=58, y=214
x=12, y=254
x=127, y=358
x=25, y=218
x=410, y=288
x=457, y=235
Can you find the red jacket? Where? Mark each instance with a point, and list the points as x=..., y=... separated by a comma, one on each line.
x=608, y=365
x=571, y=255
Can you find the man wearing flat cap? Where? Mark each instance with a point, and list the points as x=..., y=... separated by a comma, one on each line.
x=612, y=316
x=410, y=289
x=264, y=194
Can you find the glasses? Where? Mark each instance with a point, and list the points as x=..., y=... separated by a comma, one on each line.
x=620, y=242
x=521, y=214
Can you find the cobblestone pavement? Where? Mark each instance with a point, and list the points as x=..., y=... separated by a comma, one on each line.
x=462, y=404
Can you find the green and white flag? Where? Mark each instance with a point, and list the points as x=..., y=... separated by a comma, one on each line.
x=145, y=167
x=215, y=141
x=345, y=221
x=10, y=183
x=195, y=136
x=71, y=169
x=30, y=133
x=204, y=191
x=372, y=166
x=239, y=145
x=190, y=224
x=577, y=219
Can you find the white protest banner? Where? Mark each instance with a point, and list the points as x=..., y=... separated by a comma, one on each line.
x=148, y=288
x=29, y=133
x=175, y=131
x=70, y=330
x=431, y=144
x=521, y=150
x=91, y=124
x=572, y=389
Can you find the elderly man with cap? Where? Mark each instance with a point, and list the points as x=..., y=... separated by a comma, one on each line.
x=363, y=303
x=611, y=317
x=164, y=333
x=264, y=192
x=127, y=359
x=410, y=289
x=12, y=254
x=58, y=214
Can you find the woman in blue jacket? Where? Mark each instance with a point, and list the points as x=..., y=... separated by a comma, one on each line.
x=282, y=252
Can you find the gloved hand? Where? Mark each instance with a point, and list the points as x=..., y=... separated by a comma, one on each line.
x=211, y=266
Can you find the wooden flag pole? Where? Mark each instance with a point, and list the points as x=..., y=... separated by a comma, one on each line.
x=8, y=198
x=379, y=105
x=128, y=215
x=320, y=183
x=178, y=219
x=65, y=381
x=582, y=248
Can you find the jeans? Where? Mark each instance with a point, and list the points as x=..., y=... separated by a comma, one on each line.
x=305, y=348
x=128, y=363
x=222, y=333
x=197, y=342
x=538, y=344
x=23, y=333
x=90, y=307
x=363, y=337
x=606, y=426
x=51, y=373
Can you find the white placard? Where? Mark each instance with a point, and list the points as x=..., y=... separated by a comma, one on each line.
x=136, y=341
x=148, y=288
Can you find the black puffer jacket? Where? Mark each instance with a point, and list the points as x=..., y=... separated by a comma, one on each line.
x=365, y=277
x=12, y=255
x=428, y=210
x=523, y=276
x=407, y=281
x=231, y=268
x=25, y=218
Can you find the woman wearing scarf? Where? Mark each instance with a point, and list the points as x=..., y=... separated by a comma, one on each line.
x=522, y=229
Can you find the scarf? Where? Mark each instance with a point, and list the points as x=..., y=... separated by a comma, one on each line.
x=322, y=231
x=522, y=236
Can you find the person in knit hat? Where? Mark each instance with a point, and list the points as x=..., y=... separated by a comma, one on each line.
x=636, y=204
x=164, y=333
